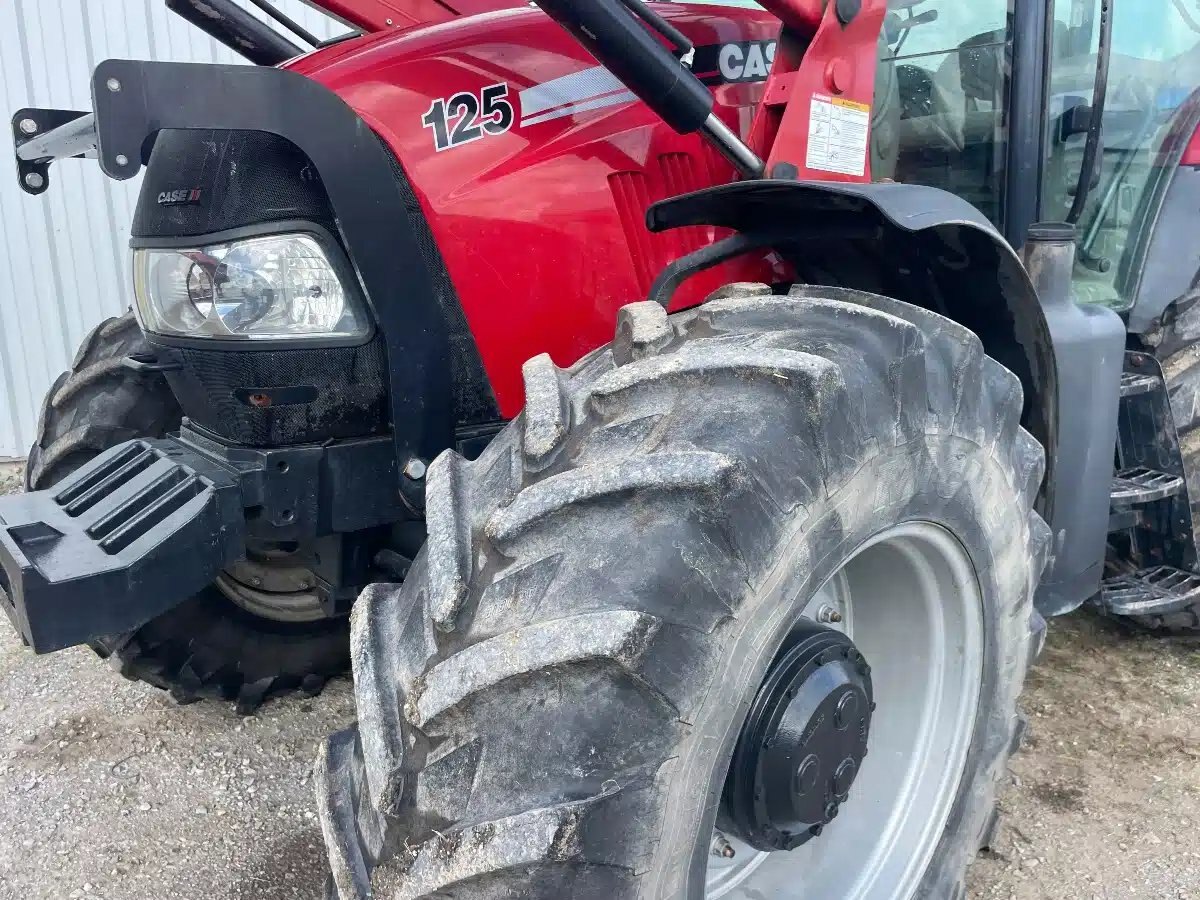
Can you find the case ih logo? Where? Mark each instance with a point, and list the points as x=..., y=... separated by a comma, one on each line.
x=182, y=197
x=735, y=63
x=747, y=61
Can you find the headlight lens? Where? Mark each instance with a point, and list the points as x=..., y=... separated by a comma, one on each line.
x=263, y=288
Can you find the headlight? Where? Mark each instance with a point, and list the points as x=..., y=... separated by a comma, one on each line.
x=262, y=288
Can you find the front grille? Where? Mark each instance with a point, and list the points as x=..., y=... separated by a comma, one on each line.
x=335, y=392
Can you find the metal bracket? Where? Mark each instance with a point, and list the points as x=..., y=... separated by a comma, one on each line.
x=43, y=136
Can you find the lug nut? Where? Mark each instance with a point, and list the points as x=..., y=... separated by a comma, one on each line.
x=722, y=847
x=28, y=126
x=828, y=615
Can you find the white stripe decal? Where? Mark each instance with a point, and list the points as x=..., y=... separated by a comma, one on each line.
x=598, y=103
x=573, y=88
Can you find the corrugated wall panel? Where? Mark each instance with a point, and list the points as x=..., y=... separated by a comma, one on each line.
x=64, y=262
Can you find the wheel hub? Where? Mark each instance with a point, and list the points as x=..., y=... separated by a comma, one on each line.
x=802, y=744
x=273, y=583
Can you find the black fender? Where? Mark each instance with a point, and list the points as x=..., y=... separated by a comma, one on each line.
x=425, y=333
x=918, y=244
x=932, y=249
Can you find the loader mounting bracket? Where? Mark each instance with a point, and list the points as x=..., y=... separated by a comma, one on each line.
x=41, y=136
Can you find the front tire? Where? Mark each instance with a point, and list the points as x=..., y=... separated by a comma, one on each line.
x=549, y=705
x=207, y=646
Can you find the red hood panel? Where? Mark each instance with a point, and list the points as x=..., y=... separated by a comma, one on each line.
x=533, y=168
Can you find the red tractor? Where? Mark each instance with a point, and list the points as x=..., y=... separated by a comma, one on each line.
x=737, y=603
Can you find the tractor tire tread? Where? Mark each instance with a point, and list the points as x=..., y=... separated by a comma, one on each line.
x=407, y=805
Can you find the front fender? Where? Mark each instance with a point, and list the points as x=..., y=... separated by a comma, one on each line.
x=932, y=249
x=917, y=244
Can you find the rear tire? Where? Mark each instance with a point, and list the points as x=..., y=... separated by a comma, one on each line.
x=548, y=705
x=1177, y=347
x=206, y=647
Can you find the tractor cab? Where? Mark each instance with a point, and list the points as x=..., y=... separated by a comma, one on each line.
x=960, y=85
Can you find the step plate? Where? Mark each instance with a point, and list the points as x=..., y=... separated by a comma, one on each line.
x=1142, y=485
x=1133, y=384
x=1151, y=592
x=127, y=536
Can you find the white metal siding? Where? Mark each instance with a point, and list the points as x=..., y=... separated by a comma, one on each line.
x=63, y=256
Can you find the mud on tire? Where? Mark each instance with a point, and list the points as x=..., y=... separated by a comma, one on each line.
x=531, y=702
x=206, y=646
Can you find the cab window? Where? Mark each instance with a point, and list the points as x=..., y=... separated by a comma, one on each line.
x=946, y=66
x=1154, y=67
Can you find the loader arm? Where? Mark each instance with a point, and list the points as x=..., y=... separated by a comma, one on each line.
x=822, y=81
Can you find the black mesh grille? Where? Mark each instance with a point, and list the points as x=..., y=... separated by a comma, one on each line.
x=244, y=178
x=349, y=382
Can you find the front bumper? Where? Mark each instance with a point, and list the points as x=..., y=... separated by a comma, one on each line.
x=147, y=524
x=139, y=524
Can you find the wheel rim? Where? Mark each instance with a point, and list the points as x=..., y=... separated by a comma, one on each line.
x=911, y=602
x=272, y=584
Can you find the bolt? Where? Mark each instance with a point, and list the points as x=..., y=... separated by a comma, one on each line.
x=34, y=180
x=256, y=581
x=28, y=126
x=816, y=830
x=828, y=615
x=122, y=159
x=722, y=847
x=838, y=76
x=831, y=811
x=389, y=21
x=847, y=10
x=415, y=469
x=113, y=85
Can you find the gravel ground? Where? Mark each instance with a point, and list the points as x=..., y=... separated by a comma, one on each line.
x=109, y=790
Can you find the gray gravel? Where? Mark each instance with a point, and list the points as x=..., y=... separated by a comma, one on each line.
x=109, y=790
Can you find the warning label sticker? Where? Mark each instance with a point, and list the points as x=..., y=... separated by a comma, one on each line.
x=837, y=135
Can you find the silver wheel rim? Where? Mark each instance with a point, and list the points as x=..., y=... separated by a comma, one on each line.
x=910, y=600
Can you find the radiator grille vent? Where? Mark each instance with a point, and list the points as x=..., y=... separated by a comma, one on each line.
x=669, y=175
